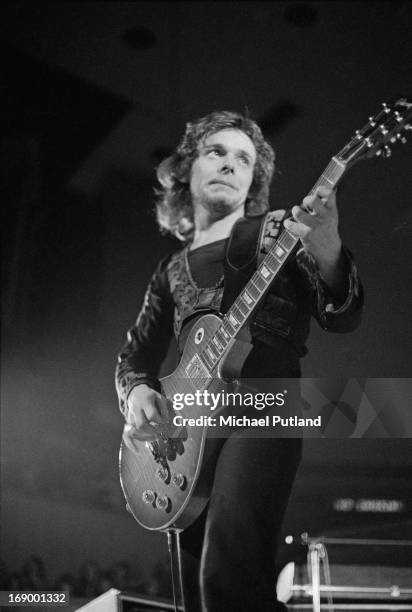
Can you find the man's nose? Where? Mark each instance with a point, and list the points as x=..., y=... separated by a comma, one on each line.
x=228, y=164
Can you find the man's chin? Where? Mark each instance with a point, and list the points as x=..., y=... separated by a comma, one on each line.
x=219, y=208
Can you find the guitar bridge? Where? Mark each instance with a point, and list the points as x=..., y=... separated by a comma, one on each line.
x=155, y=450
x=165, y=449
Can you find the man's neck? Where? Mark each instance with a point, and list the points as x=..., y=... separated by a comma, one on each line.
x=207, y=230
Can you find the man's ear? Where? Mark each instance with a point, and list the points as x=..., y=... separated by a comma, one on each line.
x=184, y=175
x=184, y=179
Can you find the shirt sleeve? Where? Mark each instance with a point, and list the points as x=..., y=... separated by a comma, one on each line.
x=340, y=311
x=147, y=340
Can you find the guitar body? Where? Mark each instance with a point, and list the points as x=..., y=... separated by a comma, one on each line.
x=167, y=483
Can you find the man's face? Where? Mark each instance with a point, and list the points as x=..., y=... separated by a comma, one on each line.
x=222, y=174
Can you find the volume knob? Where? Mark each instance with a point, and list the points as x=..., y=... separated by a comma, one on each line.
x=148, y=496
x=162, y=502
x=162, y=473
x=178, y=480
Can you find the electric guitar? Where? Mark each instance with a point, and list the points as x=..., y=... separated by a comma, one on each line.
x=166, y=482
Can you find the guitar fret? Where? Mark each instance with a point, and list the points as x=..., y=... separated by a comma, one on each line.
x=254, y=287
x=252, y=290
x=217, y=343
x=329, y=171
x=274, y=262
x=264, y=272
x=327, y=179
x=207, y=362
x=260, y=283
x=209, y=355
x=237, y=312
x=279, y=252
x=242, y=306
x=225, y=334
x=213, y=350
x=287, y=240
x=331, y=174
x=247, y=298
x=233, y=321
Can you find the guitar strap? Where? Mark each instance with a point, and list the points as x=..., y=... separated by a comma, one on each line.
x=240, y=258
x=249, y=241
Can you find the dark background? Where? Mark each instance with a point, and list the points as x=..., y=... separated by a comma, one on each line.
x=93, y=95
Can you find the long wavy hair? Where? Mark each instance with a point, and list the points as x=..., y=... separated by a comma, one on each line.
x=174, y=210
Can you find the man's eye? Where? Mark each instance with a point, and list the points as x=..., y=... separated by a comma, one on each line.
x=244, y=160
x=215, y=152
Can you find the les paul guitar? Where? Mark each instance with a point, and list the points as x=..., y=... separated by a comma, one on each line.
x=166, y=482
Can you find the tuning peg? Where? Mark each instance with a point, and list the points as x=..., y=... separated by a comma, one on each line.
x=404, y=102
x=387, y=151
x=403, y=139
x=372, y=121
x=386, y=107
x=383, y=129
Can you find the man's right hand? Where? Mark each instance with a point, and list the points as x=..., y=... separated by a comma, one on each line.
x=146, y=412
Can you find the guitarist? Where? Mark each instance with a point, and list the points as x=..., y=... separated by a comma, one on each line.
x=214, y=197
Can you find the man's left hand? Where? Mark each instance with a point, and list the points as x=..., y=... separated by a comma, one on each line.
x=316, y=224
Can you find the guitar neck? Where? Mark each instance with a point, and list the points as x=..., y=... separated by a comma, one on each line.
x=256, y=288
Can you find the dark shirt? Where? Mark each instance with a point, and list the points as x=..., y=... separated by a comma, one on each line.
x=206, y=263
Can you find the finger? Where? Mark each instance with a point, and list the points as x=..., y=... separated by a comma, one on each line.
x=300, y=230
x=153, y=411
x=162, y=408
x=319, y=207
x=147, y=431
x=307, y=203
x=326, y=195
x=129, y=442
x=314, y=205
x=143, y=426
x=323, y=191
x=302, y=216
x=132, y=438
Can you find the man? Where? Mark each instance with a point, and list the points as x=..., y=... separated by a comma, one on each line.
x=214, y=197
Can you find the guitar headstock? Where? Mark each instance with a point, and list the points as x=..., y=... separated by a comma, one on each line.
x=376, y=137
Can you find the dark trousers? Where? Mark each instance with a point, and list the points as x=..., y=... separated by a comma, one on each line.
x=229, y=551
